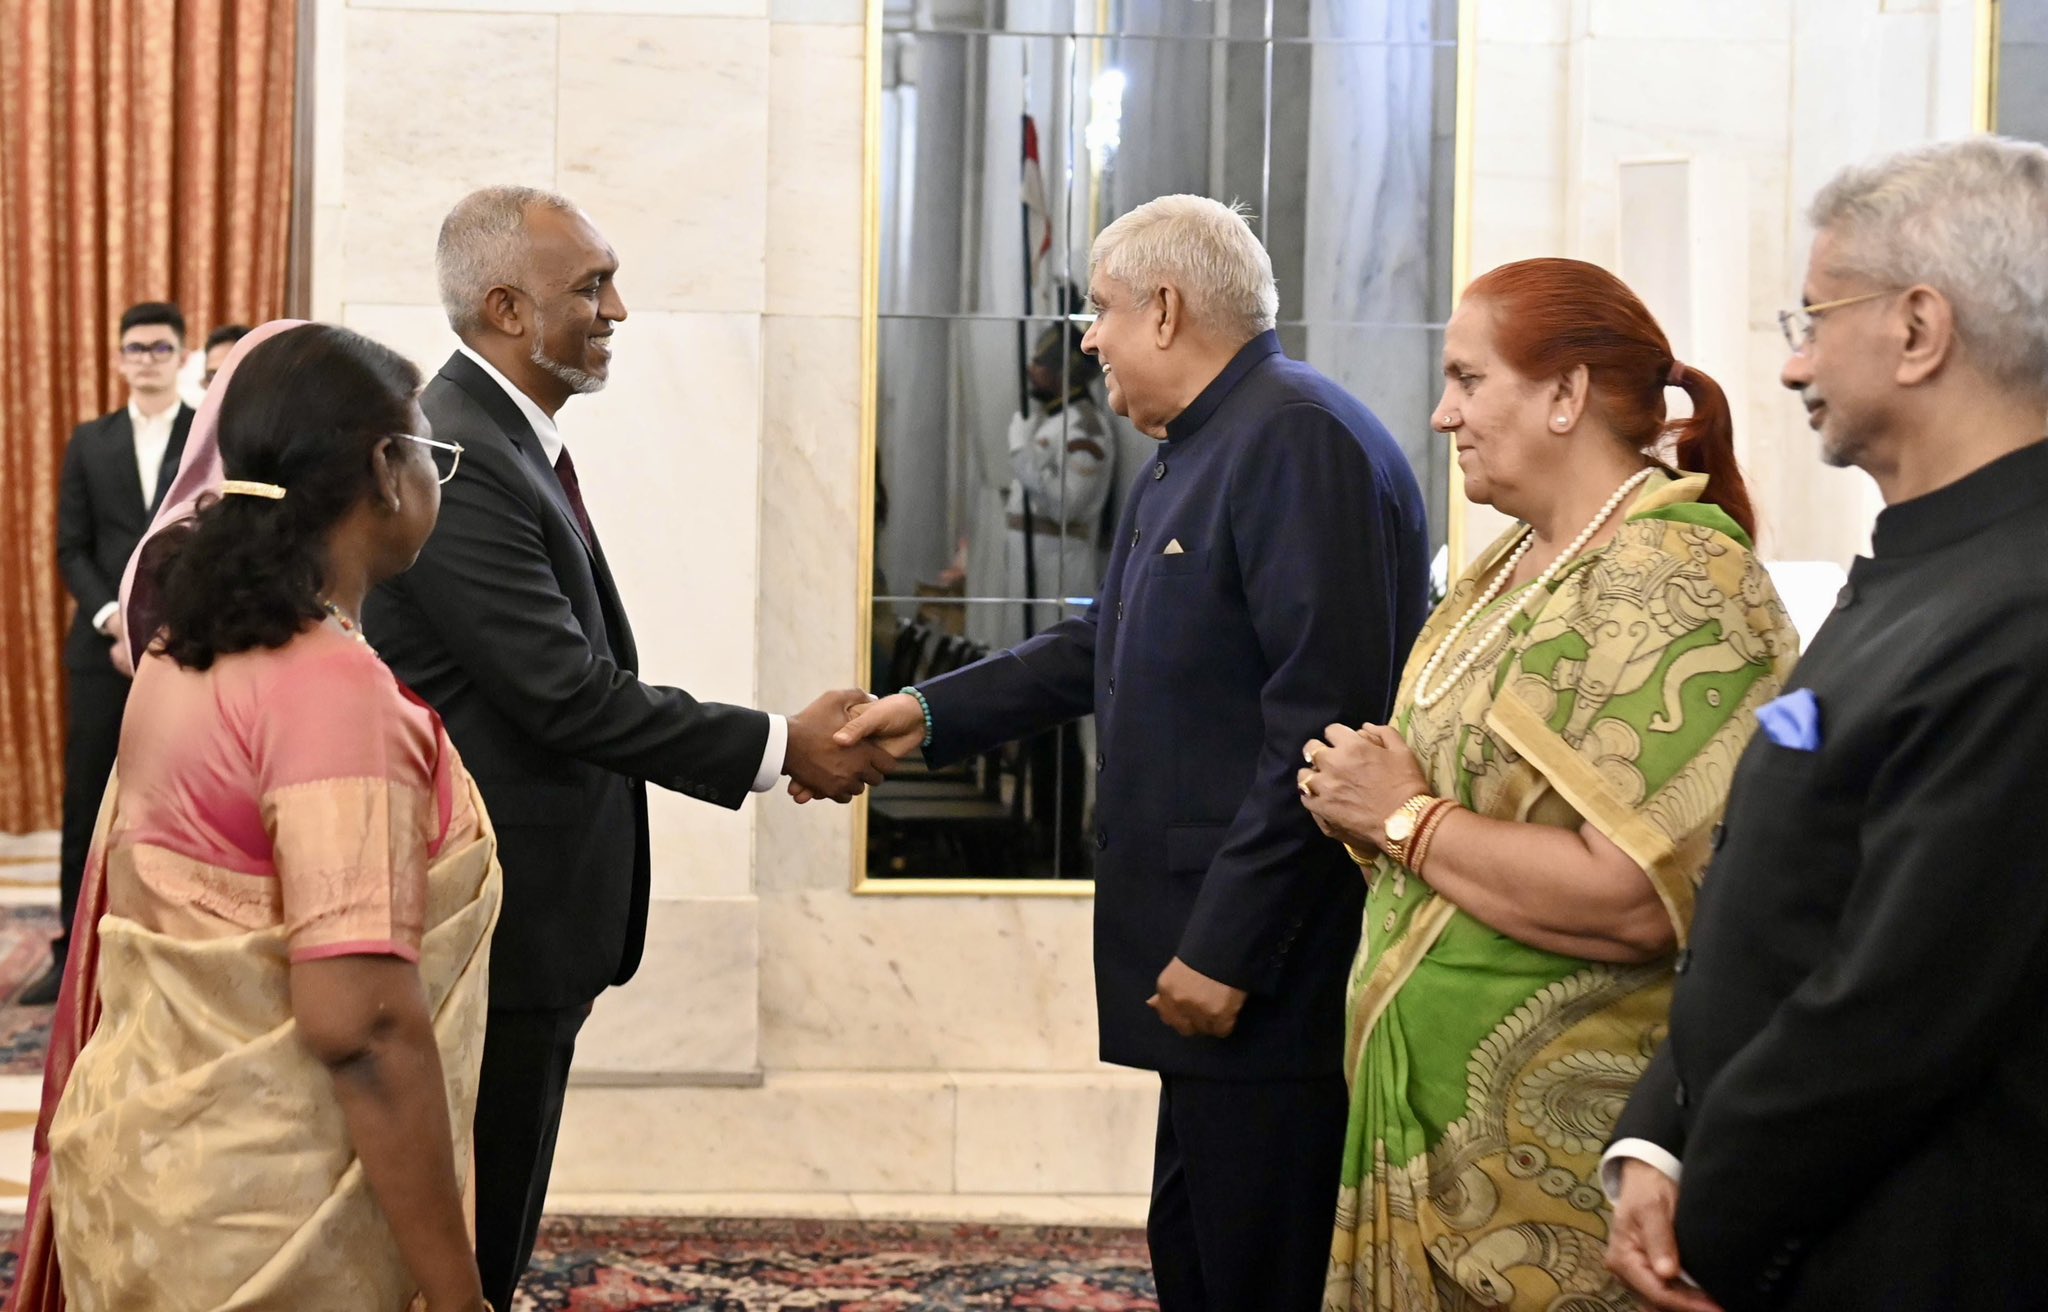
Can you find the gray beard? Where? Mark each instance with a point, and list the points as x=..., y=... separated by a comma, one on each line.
x=579, y=381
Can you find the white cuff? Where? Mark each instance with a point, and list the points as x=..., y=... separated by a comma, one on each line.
x=1641, y=1150
x=771, y=756
x=100, y=616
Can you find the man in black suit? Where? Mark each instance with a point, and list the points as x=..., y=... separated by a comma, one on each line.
x=511, y=627
x=1268, y=576
x=1851, y=1110
x=116, y=471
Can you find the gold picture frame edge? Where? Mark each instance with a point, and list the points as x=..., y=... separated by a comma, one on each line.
x=1985, y=78
x=870, y=333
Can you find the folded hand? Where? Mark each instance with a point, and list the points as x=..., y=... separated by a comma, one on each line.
x=1355, y=779
x=1195, y=1005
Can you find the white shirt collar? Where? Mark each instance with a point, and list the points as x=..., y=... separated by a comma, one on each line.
x=551, y=443
x=151, y=435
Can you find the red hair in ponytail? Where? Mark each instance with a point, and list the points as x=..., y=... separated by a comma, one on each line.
x=1552, y=315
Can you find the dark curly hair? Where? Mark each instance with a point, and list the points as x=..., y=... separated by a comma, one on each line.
x=303, y=410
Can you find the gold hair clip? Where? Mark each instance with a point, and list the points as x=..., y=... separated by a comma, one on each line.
x=236, y=487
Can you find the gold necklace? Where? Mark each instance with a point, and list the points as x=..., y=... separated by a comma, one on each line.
x=348, y=626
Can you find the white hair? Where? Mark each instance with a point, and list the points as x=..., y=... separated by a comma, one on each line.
x=1205, y=250
x=482, y=245
x=1967, y=218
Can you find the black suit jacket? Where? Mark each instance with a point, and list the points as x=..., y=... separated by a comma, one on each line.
x=1268, y=578
x=1856, y=1079
x=101, y=516
x=511, y=627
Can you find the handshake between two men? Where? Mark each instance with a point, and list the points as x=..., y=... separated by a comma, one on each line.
x=847, y=740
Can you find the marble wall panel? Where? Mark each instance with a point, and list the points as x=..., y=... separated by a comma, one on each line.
x=925, y=983
x=692, y=1013
x=811, y=511
x=669, y=458
x=818, y=11
x=1547, y=22
x=1690, y=20
x=420, y=135
x=663, y=138
x=816, y=75
x=417, y=332
x=796, y=1133
x=688, y=8
x=1040, y=1134
x=1645, y=99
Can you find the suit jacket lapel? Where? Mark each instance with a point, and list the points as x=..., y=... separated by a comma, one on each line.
x=464, y=373
x=167, y=473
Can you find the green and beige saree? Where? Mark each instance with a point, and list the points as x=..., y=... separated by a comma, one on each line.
x=1486, y=1075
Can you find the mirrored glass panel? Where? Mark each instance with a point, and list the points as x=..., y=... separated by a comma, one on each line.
x=1011, y=133
x=2021, y=105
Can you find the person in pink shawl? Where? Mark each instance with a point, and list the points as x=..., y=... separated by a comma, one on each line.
x=267, y=1043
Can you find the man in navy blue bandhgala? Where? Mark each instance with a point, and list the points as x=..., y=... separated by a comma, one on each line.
x=1268, y=576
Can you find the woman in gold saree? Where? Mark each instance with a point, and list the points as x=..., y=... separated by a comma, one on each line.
x=260, y=1087
x=1534, y=821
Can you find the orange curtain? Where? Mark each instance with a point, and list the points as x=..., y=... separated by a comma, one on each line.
x=145, y=154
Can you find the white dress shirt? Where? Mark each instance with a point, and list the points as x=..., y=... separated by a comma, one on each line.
x=552, y=445
x=152, y=439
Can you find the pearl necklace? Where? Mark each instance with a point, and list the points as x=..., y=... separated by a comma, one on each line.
x=1426, y=698
x=348, y=626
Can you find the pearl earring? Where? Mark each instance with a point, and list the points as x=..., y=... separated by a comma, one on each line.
x=1560, y=421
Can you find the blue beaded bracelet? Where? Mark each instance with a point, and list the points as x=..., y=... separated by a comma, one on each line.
x=927, y=708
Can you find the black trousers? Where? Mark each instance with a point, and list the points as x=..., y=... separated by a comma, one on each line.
x=518, y=1112
x=92, y=738
x=1244, y=1192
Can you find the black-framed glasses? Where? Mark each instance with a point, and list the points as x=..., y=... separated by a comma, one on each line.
x=149, y=350
x=447, y=456
x=1797, y=325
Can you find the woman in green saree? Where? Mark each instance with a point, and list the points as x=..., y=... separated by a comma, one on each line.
x=1535, y=820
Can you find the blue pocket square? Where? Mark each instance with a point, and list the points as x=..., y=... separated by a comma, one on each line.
x=1792, y=721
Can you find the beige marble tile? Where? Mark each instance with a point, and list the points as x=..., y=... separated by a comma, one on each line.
x=1691, y=20
x=417, y=332
x=837, y=1133
x=814, y=169
x=924, y=983
x=693, y=1011
x=821, y=1206
x=1032, y=1134
x=20, y=1099
x=1524, y=21
x=810, y=571
x=669, y=459
x=423, y=131
x=818, y=11
x=1004, y=1209
x=687, y=8
x=664, y=140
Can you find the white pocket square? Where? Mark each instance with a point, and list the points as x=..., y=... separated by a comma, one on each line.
x=1174, y=548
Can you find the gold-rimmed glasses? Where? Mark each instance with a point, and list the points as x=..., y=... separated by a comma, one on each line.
x=446, y=464
x=1798, y=324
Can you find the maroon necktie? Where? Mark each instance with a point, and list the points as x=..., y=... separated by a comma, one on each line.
x=565, y=470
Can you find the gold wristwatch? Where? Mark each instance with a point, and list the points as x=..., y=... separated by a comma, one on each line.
x=1400, y=827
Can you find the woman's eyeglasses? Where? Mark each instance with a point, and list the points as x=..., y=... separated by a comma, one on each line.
x=447, y=455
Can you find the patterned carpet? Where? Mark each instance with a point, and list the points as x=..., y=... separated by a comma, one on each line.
x=25, y=934
x=588, y=1264
x=597, y=1264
